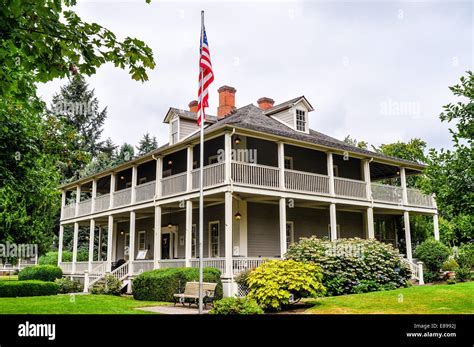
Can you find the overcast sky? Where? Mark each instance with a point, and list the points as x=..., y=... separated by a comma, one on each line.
x=377, y=71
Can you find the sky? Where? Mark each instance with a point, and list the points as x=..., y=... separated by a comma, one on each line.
x=379, y=71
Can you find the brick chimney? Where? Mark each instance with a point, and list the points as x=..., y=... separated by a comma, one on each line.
x=265, y=103
x=226, y=101
x=193, y=106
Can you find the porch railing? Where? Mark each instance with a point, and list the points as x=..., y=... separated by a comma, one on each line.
x=121, y=272
x=145, y=191
x=244, y=263
x=416, y=197
x=122, y=197
x=350, y=188
x=218, y=263
x=213, y=174
x=174, y=184
x=386, y=193
x=69, y=211
x=85, y=207
x=66, y=267
x=102, y=203
x=140, y=266
x=306, y=182
x=167, y=263
x=81, y=266
x=256, y=175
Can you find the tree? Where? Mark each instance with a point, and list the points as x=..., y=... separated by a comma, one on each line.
x=355, y=143
x=147, y=144
x=79, y=108
x=126, y=153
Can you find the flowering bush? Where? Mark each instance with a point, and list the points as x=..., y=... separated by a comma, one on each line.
x=346, y=263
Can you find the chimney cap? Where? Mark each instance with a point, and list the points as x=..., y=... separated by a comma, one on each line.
x=226, y=89
x=265, y=99
x=193, y=103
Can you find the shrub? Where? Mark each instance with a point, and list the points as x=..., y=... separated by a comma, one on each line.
x=27, y=288
x=463, y=274
x=347, y=262
x=110, y=286
x=465, y=255
x=236, y=306
x=162, y=284
x=451, y=281
x=51, y=258
x=242, y=280
x=274, y=282
x=433, y=254
x=430, y=276
x=366, y=286
x=46, y=273
x=450, y=265
x=83, y=255
x=67, y=285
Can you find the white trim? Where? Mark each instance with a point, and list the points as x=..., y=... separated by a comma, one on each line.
x=287, y=157
x=335, y=170
x=210, y=239
x=126, y=246
x=338, y=228
x=174, y=120
x=194, y=240
x=142, y=232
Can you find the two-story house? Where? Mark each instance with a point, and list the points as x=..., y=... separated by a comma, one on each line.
x=268, y=180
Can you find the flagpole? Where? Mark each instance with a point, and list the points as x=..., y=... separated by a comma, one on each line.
x=201, y=161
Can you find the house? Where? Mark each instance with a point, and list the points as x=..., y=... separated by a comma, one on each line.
x=268, y=180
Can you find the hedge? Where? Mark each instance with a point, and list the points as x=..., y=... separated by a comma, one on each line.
x=27, y=288
x=161, y=284
x=46, y=273
x=51, y=258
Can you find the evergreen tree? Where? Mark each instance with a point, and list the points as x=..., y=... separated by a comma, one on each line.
x=126, y=153
x=147, y=144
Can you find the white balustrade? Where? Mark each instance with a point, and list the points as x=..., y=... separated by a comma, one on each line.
x=102, y=203
x=387, y=193
x=69, y=211
x=218, y=263
x=85, y=207
x=168, y=263
x=350, y=188
x=416, y=197
x=213, y=174
x=255, y=175
x=145, y=191
x=122, y=197
x=66, y=267
x=81, y=266
x=244, y=263
x=174, y=184
x=121, y=272
x=140, y=266
x=306, y=182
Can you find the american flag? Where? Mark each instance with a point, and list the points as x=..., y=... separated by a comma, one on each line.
x=206, y=76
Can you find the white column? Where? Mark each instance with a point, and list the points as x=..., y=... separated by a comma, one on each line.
x=112, y=189
x=368, y=186
x=333, y=221
x=189, y=173
x=228, y=233
x=91, y=243
x=403, y=181
x=282, y=226
x=60, y=243
x=74, y=247
x=63, y=202
x=228, y=156
x=159, y=174
x=189, y=229
x=406, y=222
x=131, y=248
x=436, y=227
x=370, y=223
x=78, y=199
x=94, y=194
x=134, y=184
x=330, y=173
x=157, y=237
x=110, y=231
x=281, y=164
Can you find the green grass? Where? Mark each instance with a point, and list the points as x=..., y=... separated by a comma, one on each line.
x=429, y=299
x=9, y=278
x=77, y=304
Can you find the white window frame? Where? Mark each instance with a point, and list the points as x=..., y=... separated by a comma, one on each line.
x=211, y=158
x=290, y=159
x=335, y=170
x=175, y=120
x=142, y=232
x=193, y=241
x=305, y=120
x=126, y=246
x=290, y=240
x=218, y=238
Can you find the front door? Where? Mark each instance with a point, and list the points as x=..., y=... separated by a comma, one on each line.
x=166, y=246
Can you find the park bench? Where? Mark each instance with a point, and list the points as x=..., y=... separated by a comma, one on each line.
x=191, y=293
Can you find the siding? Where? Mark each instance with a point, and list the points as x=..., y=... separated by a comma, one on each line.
x=263, y=230
x=287, y=116
x=145, y=224
x=186, y=127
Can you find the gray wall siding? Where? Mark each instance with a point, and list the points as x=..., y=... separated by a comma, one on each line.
x=287, y=117
x=145, y=224
x=187, y=127
x=308, y=222
x=263, y=230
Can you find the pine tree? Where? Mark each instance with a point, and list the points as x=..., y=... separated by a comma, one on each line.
x=77, y=105
x=126, y=153
x=147, y=144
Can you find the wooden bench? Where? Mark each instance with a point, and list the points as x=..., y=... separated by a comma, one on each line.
x=191, y=293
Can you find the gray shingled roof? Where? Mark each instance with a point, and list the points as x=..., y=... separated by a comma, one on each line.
x=192, y=115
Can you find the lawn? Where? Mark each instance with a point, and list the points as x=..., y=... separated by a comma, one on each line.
x=76, y=304
x=429, y=299
x=9, y=278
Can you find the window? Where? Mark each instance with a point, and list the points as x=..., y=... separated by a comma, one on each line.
x=335, y=170
x=174, y=130
x=300, y=120
x=193, y=241
x=213, y=159
x=338, y=228
x=214, y=239
x=142, y=180
x=126, y=246
x=141, y=240
x=290, y=234
x=289, y=163
x=128, y=184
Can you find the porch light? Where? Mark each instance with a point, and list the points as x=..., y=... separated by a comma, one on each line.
x=170, y=226
x=170, y=162
x=238, y=215
x=122, y=177
x=237, y=140
x=121, y=232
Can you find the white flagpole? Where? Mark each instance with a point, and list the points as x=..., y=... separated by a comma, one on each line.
x=201, y=160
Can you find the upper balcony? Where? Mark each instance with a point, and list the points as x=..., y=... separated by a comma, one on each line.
x=254, y=163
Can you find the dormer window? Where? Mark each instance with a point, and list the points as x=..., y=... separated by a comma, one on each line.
x=174, y=131
x=300, y=120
